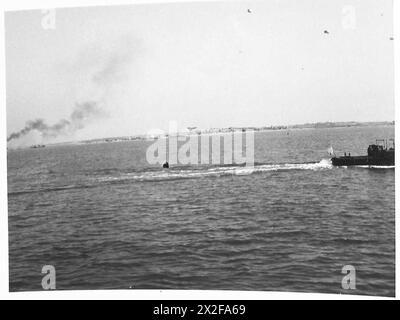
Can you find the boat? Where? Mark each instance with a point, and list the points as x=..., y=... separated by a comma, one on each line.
x=38, y=146
x=378, y=154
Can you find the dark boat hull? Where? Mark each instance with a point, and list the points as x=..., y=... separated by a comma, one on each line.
x=377, y=155
x=350, y=161
x=384, y=160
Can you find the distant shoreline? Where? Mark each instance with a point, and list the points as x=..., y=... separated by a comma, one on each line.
x=316, y=125
x=145, y=137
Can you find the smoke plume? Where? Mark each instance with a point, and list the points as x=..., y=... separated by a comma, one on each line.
x=80, y=115
x=101, y=78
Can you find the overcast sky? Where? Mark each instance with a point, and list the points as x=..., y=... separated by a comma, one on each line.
x=202, y=64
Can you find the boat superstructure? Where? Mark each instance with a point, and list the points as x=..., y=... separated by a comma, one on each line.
x=379, y=154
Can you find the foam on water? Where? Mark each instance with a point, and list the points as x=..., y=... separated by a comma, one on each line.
x=172, y=173
x=376, y=167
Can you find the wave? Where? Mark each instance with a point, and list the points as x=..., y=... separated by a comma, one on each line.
x=368, y=167
x=50, y=189
x=181, y=173
x=376, y=167
x=185, y=172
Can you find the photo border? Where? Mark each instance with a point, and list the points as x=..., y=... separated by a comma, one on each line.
x=11, y=5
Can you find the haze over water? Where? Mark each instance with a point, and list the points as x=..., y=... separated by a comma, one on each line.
x=107, y=220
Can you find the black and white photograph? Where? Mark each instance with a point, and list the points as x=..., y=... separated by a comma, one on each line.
x=202, y=145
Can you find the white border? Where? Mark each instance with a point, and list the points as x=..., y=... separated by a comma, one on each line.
x=148, y=294
x=396, y=34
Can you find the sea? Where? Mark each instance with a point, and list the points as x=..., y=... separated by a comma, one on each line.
x=105, y=218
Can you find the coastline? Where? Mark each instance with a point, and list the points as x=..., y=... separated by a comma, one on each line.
x=213, y=131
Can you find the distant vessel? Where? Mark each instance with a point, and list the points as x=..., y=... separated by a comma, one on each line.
x=379, y=154
x=38, y=146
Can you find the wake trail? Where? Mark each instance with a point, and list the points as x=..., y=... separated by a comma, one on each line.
x=173, y=174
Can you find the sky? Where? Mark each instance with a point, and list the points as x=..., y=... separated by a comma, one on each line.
x=213, y=64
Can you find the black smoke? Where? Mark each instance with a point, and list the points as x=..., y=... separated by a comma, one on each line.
x=82, y=113
x=112, y=70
